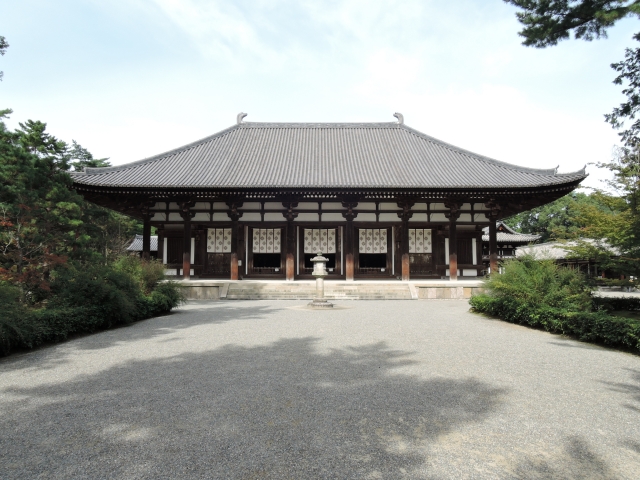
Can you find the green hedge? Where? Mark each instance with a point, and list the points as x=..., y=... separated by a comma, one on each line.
x=543, y=295
x=85, y=300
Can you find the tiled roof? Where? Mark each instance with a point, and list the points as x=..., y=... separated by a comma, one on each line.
x=512, y=238
x=509, y=235
x=561, y=250
x=333, y=155
x=136, y=245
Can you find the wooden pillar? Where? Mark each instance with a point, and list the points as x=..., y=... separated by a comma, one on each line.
x=492, y=215
x=187, y=215
x=290, y=245
x=493, y=245
x=234, y=250
x=146, y=237
x=234, y=214
x=405, y=215
x=453, y=249
x=349, y=234
x=404, y=251
x=160, y=233
x=290, y=257
x=186, y=249
x=453, y=215
x=145, y=210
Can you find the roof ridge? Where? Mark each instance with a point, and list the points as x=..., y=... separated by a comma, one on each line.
x=319, y=124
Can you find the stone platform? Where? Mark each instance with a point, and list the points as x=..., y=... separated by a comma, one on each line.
x=334, y=290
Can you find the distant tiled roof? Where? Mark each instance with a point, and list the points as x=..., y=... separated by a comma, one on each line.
x=335, y=155
x=558, y=250
x=509, y=235
x=136, y=245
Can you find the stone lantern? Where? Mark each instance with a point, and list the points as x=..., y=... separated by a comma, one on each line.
x=320, y=271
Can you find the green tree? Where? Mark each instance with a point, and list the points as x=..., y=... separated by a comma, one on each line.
x=3, y=49
x=43, y=222
x=546, y=22
x=38, y=212
x=561, y=219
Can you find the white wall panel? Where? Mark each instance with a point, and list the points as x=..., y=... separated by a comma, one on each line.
x=419, y=217
x=366, y=206
x=469, y=272
x=389, y=206
x=251, y=217
x=438, y=217
x=306, y=217
x=273, y=206
x=221, y=217
x=307, y=206
x=464, y=217
x=175, y=217
x=388, y=217
x=332, y=217
x=251, y=206
x=200, y=217
x=365, y=217
x=332, y=206
x=273, y=217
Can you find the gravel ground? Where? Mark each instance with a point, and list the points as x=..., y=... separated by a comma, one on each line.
x=379, y=389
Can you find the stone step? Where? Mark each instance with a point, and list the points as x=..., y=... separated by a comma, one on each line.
x=255, y=291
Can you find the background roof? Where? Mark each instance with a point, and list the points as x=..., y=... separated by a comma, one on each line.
x=347, y=155
x=136, y=245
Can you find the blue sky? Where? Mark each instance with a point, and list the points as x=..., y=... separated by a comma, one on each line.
x=130, y=79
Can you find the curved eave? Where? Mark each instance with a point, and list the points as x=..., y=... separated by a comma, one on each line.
x=569, y=180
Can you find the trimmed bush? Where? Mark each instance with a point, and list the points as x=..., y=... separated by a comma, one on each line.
x=540, y=294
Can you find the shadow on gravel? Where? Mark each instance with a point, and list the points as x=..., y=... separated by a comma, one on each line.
x=573, y=343
x=632, y=389
x=276, y=411
x=575, y=462
x=186, y=316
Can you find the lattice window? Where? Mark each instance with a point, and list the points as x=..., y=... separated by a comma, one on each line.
x=319, y=240
x=219, y=240
x=420, y=240
x=373, y=240
x=266, y=240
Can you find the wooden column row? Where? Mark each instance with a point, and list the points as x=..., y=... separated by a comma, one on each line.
x=349, y=240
